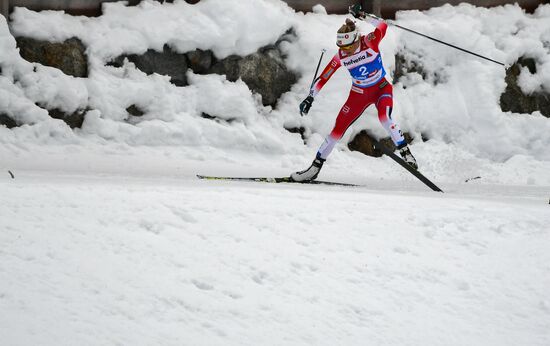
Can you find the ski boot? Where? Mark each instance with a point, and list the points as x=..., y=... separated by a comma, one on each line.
x=408, y=157
x=309, y=174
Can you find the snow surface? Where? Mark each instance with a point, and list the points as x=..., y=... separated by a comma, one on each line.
x=125, y=260
x=107, y=237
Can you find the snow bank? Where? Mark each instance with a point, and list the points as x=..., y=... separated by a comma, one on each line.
x=460, y=111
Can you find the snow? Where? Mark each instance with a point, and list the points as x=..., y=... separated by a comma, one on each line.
x=108, y=238
x=114, y=259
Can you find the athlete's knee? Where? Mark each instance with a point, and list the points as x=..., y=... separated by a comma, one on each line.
x=343, y=121
x=384, y=115
x=336, y=134
x=384, y=101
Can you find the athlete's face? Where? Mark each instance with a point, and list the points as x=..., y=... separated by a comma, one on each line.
x=350, y=48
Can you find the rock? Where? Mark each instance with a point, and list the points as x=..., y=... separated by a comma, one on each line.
x=6, y=120
x=217, y=118
x=300, y=130
x=200, y=61
x=207, y=116
x=228, y=67
x=74, y=120
x=264, y=72
x=68, y=56
x=167, y=63
x=135, y=111
x=363, y=143
x=404, y=66
x=514, y=100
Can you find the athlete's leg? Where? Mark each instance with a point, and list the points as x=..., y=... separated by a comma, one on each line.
x=352, y=109
x=356, y=103
x=384, y=105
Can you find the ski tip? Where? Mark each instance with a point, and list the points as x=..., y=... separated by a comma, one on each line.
x=11, y=175
x=470, y=179
x=207, y=177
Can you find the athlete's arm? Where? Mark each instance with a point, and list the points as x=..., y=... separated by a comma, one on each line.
x=329, y=70
x=373, y=39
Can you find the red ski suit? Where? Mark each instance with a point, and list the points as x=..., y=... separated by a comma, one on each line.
x=369, y=87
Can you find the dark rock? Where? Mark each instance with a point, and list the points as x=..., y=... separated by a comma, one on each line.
x=200, y=61
x=68, y=56
x=207, y=116
x=167, y=63
x=530, y=63
x=74, y=120
x=264, y=72
x=300, y=130
x=289, y=36
x=135, y=111
x=228, y=67
x=6, y=120
x=363, y=143
x=404, y=66
x=117, y=62
x=514, y=100
x=543, y=101
x=217, y=118
x=267, y=74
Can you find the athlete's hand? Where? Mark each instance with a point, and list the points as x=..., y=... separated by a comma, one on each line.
x=356, y=11
x=306, y=105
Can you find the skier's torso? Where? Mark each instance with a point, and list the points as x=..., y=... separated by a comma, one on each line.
x=365, y=65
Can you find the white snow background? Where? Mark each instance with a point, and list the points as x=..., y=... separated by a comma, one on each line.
x=107, y=237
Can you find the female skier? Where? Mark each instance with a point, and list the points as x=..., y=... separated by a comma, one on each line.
x=361, y=56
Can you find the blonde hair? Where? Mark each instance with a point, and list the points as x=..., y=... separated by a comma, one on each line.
x=348, y=27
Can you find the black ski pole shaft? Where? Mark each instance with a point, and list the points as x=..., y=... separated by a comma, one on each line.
x=405, y=165
x=436, y=40
x=317, y=69
x=448, y=44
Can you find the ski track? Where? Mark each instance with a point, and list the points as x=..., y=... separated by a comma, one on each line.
x=113, y=260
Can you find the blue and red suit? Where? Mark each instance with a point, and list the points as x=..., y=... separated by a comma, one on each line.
x=369, y=87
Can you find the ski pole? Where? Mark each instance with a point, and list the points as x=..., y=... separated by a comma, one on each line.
x=434, y=39
x=317, y=69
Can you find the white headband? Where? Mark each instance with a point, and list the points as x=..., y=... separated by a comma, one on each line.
x=346, y=38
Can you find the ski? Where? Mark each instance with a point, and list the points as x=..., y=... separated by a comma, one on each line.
x=275, y=180
x=405, y=165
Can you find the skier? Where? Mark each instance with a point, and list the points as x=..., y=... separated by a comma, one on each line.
x=361, y=56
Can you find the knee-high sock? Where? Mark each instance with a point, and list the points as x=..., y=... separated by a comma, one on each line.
x=384, y=107
x=326, y=148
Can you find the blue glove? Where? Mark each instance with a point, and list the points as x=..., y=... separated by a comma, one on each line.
x=306, y=105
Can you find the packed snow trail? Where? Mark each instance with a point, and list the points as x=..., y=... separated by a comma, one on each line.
x=114, y=259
